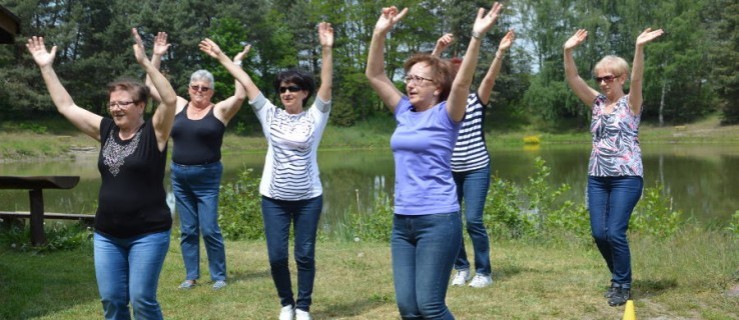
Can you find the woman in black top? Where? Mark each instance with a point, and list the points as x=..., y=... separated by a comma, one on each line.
x=133, y=221
x=196, y=167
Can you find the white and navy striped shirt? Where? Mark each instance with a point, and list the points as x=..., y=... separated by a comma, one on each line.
x=290, y=166
x=470, y=151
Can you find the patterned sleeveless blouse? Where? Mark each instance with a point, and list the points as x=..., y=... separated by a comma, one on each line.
x=616, y=150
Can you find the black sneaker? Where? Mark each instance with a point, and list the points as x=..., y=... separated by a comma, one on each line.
x=619, y=297
x=611, y=290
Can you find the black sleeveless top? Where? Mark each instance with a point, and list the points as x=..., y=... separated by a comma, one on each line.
x=197, y=141
x=132, y=200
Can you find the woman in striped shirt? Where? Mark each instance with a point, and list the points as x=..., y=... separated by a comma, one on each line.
x=471, y=169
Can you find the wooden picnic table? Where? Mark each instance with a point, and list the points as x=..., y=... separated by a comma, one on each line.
x=36, y=185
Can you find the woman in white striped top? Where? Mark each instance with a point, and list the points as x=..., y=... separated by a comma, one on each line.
x=471, y=169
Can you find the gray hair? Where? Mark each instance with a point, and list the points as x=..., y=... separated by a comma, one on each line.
x=202, y=75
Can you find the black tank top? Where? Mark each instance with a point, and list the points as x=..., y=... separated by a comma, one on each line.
x=132, y=200
x=197, y=141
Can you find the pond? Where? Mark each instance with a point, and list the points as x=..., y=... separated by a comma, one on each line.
x=701, y=179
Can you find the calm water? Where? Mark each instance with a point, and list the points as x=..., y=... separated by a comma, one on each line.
x=702, y=179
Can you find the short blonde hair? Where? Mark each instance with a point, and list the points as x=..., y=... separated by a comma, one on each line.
x=617, y=65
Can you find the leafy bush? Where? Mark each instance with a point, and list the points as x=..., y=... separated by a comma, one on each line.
x=239, y=207
x=374, y=225
x=653, y=215
x=59, y=236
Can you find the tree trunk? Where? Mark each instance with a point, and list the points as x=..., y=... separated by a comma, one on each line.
x=662, y=103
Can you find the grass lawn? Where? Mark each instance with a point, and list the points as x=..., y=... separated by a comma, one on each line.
x=686, y=277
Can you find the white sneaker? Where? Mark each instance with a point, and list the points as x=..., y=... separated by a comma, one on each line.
x=287, y=313
x=302, y=315
x=461, y=277
x=481, y=281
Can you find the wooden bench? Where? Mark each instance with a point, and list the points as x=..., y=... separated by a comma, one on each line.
x=35, y=185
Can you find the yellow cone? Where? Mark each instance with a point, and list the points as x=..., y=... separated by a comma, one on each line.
x=629, y=312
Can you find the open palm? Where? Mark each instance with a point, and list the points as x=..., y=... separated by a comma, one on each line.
x=326, y=34
x=37, y=49
x=648, y=35
x=576, y=39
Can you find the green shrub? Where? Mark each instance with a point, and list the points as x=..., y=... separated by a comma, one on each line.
x=654, y=215
x=239, y=207
x=59, y=236
x=375, y=224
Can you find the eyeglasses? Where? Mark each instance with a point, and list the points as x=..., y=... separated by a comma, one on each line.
x=608, y=79
x=417, y=80
x=290, y=88
x=120, y=104
x=199, y=88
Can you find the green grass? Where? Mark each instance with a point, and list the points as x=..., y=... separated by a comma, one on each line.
x=685, y=277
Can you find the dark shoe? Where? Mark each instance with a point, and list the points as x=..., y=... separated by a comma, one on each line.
x=611, y=290
x=619, y=297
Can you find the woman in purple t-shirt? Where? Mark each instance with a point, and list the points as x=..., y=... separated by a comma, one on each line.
x=615, y=170
x=427, y=229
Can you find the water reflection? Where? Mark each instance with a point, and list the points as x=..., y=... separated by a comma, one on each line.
x=701, y=179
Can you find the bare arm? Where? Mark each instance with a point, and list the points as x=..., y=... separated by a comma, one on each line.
x=457, y=102
x=213, y=50
x=637, y=69
x=326, y=37
x=160, y=48
x=164, y=115
x=86, y=121
x=227, y=109
x=582, y=90
x=488, y=82
x=389, y=94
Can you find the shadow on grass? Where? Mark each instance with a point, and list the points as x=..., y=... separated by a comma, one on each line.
x=238, y=276
x=34, y=285
x=506, y=271
x=353, y=308
x=650, y=288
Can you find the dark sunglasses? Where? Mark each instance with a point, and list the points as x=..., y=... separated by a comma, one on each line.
x=607, y=79
x=290, y=88
x=200, y=88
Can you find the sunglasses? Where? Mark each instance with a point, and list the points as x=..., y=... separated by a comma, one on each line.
x=290, y=88
x=199, y=88
x=608, y=79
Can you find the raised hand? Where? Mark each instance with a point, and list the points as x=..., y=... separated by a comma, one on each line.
x=210, y=48
x=485, y=21
x=443, y=43
x=507, y=40
x=240, y=56
x=389, y=17
x=37, y=49
x=576, y=39
x=160, y=44
x=326, y=34
x=138, y=47
x=648, y=35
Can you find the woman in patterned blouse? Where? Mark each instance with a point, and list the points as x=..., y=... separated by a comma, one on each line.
x=615, y=170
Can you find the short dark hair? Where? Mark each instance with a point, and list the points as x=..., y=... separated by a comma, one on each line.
x=138, y=91
x=442, y=71
x=300, y=78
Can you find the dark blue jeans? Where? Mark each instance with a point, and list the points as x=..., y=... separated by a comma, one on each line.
x=127, y=269
x=472, y=188
x=610, y=202
x=196, y=192
x=304, y=215
x=423, y=252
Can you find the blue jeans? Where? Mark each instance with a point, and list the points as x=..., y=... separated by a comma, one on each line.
x=472, y=187
x=196, y=192
x=127, y=269
x=423, y=251
x=304, y=215
x=610, y=202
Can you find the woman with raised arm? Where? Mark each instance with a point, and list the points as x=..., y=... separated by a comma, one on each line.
x=427, y=229
x=133, y=221
x=471, y=170
x=615, y=170
x=196, y=169
x=291, y=186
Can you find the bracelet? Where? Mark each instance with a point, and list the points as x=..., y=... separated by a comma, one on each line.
x=475, y=35
x=238, y=63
